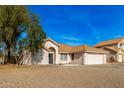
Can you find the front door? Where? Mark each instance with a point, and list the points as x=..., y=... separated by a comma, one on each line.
x=50, y=58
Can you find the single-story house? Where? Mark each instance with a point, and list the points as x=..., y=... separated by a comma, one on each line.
x=56, y=53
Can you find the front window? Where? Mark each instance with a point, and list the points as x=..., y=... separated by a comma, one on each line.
x=63, y=57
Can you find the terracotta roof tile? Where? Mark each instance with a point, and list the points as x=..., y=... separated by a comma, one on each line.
x=78, y=49
x=86, y=48
x=64, y=48
x=113, y=48
x=83, y=48
x=109, y=42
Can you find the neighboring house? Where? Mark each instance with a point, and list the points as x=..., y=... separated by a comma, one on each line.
x=115, y=48
x=55, y=53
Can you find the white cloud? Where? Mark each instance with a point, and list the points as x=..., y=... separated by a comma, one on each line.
x=68, y=37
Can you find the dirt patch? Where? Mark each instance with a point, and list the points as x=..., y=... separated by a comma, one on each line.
x=108, y=75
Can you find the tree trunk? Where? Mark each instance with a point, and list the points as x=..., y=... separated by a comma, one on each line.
x=8, y=54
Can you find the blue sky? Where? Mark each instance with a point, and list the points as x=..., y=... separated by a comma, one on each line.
x=78, y=25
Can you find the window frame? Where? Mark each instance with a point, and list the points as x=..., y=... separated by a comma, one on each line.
x=63, y=57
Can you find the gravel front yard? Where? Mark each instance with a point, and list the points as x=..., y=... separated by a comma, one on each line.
x=109, y=75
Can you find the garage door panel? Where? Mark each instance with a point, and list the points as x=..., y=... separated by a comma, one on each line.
x=120, y=58
x=94, y=59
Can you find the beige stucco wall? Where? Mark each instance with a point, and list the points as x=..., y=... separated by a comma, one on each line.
x=42, y=57
x=120, y=52
x=105, y=58
x=39, y=58
x=49, y=44
x=118, y=45
x=78, y=58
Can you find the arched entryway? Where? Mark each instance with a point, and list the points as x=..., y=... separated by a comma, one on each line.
x=52, y=55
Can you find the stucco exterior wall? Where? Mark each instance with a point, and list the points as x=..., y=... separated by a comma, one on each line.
x=111, y=56
x=120, y=52
x=78, y=58
x=39, y=58
x=42, y=57
x=49, y=44
x=121, y=42
x=105, y=58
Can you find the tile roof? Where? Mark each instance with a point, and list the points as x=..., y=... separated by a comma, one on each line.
x=65, y=48
x=109, y=42
x=84, y=48
x=113, y=48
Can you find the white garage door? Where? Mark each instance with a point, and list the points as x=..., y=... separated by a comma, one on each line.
x=120, y=58
x=95, y=58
